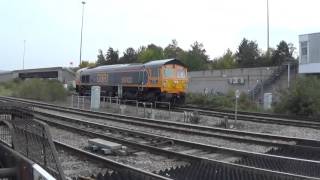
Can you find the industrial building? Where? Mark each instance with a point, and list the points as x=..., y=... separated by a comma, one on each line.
x=64, y=75
x=309, y=48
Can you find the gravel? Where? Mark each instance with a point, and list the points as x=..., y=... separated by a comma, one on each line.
x=284, y=130
x=74, y=166
x=142, y=160
x=177, y=135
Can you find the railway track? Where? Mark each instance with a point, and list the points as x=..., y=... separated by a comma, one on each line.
x=228, y=134
x=105, y=164
x=256, y=117
x=283, y=116
x=246, y=159
x=199, y=154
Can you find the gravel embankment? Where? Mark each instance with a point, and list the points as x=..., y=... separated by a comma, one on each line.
x=74, y=166
x=177, y=135
x=143, y=160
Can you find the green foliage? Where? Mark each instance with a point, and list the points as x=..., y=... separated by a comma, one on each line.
x=226, y=101
x=86, y=64
x=227, y=61
x=248, y=53
x=283, y=53
x=196, y=59
x=112, y=56
x=4, y=91
x=101, y=59
x=129, y=56
x=303, y=98
x=38, y=89
x=173, y=50
x=152, y=52
x=209, y=100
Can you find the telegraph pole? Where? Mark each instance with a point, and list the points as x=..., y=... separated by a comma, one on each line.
x=83, y=3
x=268, y=27
x=24, y=53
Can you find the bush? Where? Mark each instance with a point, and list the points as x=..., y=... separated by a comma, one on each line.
x=221, y=101
x=303, y=98
x=38, y=89
x=209, y=100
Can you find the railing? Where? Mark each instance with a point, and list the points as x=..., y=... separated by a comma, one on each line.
x=277, y=73
x=118, y=105
x=28, y=137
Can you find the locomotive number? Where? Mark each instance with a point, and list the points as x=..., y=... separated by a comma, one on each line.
x=102, y=77
x=126, y=80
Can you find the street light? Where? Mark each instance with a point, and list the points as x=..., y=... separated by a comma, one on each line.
x=268, y=26
x=24, y=53
x=83, y=3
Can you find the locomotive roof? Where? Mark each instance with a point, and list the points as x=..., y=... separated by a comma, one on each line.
x=164, y=62
x=135, y=66
x=115, y=67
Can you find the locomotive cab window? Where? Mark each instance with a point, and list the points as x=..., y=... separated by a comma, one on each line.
x=85, y=79
x=181, y=73
x=155, y=72
x=168, y=72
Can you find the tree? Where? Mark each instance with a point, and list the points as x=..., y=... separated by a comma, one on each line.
x=248, y=54
x=173, y=50
x=282, y=54
x=196, y=58
x=86, y=64
x=112, y=56
x=226, y=61
x=152, y=52
x=299, y=100
x=101, y=59
x=129, y=56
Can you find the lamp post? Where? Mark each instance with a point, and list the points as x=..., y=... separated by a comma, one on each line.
x=83, y=3
x=268, y=27
x=24, y=53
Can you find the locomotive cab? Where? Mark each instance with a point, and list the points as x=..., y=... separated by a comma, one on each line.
x=174, y=82
x=171, y=81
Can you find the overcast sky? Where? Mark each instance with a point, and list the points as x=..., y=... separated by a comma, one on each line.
x=51, y=28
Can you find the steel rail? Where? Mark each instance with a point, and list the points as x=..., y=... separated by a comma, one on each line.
x=197, y=144
x=109, y=163
x=283, y=116
x=196, y=129
x=204, y=147
x=255, y=117
x=303, y=145
x=191, y=158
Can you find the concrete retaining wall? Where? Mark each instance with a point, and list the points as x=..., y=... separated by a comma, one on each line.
x=221, y=81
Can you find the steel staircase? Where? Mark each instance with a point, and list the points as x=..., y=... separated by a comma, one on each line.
x=277, y=73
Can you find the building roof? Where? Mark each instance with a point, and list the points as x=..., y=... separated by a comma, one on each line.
x=316, y=33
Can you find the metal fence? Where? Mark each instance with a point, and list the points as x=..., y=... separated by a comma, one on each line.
x=6, y=132
x=29, y=137
x=155, y=110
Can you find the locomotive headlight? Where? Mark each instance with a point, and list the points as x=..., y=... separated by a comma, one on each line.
x=164, y=83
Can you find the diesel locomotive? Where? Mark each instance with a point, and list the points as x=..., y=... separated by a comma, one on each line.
x=158, y=80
